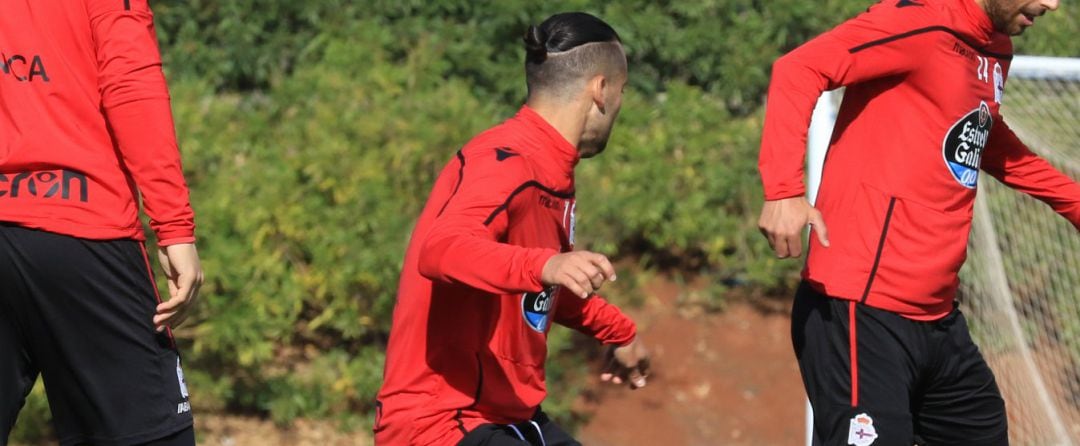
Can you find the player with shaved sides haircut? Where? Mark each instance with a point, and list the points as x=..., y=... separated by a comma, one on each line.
x=491, y=262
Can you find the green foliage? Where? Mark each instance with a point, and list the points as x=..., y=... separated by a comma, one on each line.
x=312, y=131
x=33, y=423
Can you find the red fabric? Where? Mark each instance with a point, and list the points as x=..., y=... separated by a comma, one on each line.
x=916, y=75
x=466, y=347
x=85, y=124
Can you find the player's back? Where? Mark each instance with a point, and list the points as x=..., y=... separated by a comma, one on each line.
x=60, y=169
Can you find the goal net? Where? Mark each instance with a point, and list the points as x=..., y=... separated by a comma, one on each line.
x=1021, y=283
x=1020, y=287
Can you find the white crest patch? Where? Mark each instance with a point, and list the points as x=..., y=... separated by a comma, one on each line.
x=999, y=83
x=180, y=378
x=861, y=430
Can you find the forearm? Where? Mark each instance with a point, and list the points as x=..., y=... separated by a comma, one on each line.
x=597, y=318
x=144, y=133
x=483, y=263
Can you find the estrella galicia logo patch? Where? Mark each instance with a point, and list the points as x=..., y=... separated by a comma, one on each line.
x=964, y=145
x=535, y=308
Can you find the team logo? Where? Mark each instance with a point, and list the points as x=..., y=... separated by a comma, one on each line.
x=964, y=144
x=180, y=379
x=535, y=308
x=861, y=430
x=185, y=405
x=999, y=83
x=573, y=221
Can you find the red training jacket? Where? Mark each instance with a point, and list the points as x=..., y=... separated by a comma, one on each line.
x=85, y=124
x=469, y=335
x=920, y=118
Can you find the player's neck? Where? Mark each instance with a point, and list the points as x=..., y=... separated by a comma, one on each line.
x=564, y=117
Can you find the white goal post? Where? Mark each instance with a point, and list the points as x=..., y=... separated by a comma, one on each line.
x=1020, y=288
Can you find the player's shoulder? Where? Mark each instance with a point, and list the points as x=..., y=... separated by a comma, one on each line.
x=907, y=15
x=495, y=153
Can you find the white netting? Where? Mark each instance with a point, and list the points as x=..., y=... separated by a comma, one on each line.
x=1021, y=284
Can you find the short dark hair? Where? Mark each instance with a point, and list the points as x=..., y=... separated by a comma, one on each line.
x=549, y=62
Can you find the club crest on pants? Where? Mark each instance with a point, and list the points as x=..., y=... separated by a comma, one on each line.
x=180, y=379
x=861, y=430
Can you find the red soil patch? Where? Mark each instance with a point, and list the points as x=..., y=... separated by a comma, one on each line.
x=727, y=378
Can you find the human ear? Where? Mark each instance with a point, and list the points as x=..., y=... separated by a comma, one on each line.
x=596, y=89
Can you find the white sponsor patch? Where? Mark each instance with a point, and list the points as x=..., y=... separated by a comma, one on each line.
x=861, y=431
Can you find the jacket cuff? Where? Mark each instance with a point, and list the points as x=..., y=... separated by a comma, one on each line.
x=175, y=241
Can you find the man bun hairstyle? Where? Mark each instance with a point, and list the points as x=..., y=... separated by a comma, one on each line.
x=535, y=45
x=559, y=51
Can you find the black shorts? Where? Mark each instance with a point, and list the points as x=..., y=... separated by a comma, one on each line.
x=539, y=431
x=80, y=312
x=906, y=382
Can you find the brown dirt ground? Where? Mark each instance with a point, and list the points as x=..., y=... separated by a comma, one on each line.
x=726, y=378
x=219, y=430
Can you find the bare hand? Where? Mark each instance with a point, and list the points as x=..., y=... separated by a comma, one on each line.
x=581, y=272
x=782, y=222
x=185, y=276
x=629, y=363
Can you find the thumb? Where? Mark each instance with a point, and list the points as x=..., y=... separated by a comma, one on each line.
x=818, y=224
x=637, y=379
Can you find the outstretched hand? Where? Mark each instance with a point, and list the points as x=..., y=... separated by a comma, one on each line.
x=782, y=222
x=581, y=272
x=184, y=274
x=628, y=363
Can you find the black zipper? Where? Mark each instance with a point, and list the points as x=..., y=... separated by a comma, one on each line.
x=479, y=381
x=476, y=398
x=881, y=247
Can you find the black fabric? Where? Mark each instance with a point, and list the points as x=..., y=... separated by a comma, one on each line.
x=919, y=382
x=80, y=312
x=549, y=434
x=185, y=437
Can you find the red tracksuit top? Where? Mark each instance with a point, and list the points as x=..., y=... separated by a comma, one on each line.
x=469, y=335
x=85, y=124
x=920, y=117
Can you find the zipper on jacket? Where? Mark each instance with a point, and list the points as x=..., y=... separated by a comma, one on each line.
x=881, y=247
x=476, y=398
x=479, y=381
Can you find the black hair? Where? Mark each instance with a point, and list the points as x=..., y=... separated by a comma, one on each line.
x=560, y=33
x=564, y=32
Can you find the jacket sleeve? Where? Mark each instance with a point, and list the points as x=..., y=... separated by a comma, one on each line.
x=1011, y=162
x=136, y=104
x=870, y=46
x=466, y=243
x=595, y=317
